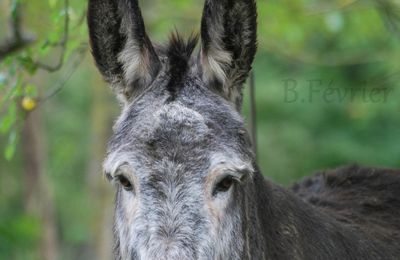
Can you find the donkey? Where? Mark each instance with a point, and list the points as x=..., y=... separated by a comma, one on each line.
x=187, y=186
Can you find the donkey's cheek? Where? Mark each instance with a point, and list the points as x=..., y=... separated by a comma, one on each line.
x=128, y=208
x=124, y=234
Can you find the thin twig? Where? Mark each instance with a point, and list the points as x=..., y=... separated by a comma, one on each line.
x=62, y=43
x=81, y=18
x=390, y=13
x=57, y=89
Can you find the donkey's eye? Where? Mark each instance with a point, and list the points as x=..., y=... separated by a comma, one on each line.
x=224, y=185
x=126, y=184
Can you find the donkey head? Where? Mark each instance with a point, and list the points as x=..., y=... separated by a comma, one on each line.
x=180, y=155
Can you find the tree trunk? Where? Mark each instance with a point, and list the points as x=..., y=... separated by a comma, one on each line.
x=100, y=190
x=38, y=195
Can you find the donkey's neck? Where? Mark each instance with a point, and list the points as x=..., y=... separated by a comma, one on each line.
x=293, y=229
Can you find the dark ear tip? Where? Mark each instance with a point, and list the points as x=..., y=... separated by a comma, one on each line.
x=116, y=35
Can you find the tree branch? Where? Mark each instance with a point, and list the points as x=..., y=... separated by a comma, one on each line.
x=11, y=46
x=80, y=52
x=17, y=41
x=62, y=43
x=390, y=13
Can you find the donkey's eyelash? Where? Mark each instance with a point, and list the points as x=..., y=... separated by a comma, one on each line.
x=108, y=176
x=125, y=182
x=239, y=178
x=238, y=175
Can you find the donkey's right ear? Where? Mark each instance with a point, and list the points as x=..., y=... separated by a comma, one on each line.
x=120, y=46
x=229, y=43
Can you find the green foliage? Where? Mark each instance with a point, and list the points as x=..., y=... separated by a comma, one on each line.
x=20, y=70
x=299, y=136
x=20, y=233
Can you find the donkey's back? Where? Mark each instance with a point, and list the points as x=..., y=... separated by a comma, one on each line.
x=366, y=199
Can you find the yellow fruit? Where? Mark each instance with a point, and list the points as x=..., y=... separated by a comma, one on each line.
x=28, y=103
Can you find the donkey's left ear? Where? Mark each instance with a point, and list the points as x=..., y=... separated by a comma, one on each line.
x=229, y=42
x=122, y=50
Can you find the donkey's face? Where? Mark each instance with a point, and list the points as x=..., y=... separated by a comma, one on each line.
x=180, y=155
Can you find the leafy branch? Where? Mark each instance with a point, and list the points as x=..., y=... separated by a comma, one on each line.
x=62, y=43
x=22, y=60
x=18, y=40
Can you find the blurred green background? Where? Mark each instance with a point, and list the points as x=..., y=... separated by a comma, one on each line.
x=327, y=90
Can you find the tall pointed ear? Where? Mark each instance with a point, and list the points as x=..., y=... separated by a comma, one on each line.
x=120, y=46
x=229, y=42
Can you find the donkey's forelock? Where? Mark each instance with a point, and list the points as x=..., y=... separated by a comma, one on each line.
x=179, y=56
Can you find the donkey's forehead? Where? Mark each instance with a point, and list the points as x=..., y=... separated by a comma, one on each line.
x=155, y=120
x=158, y=127
x=157, y=130
x=178, y=115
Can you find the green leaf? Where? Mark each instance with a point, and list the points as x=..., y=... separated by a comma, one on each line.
x=14, y=9
x=27, y=62
x=11, y=146
x=9, y=119
x=53, y=3
x=31, y=91
x=14, y=91
x=45, y=48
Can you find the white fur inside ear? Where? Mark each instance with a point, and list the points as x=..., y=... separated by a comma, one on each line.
x=135, y=61
x=215, y=63
x=228, y=62
x=216, y=59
